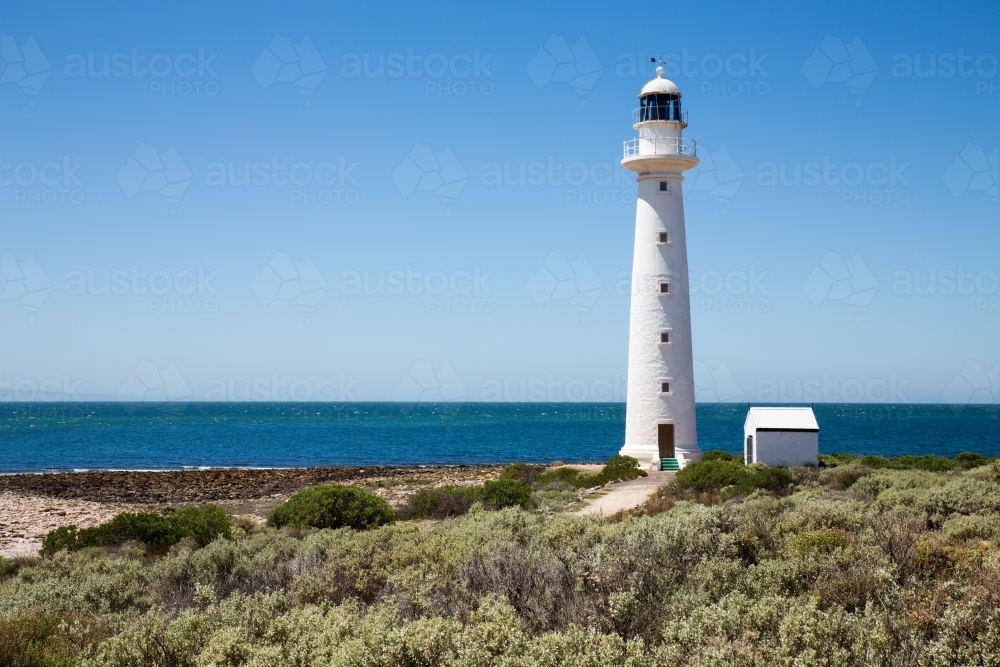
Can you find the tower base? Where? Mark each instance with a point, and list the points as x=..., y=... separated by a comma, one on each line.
x=649, y=456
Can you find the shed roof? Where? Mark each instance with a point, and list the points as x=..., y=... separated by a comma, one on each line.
x=782, y=419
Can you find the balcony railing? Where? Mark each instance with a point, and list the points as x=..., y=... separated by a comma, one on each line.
x=664, y=112
x=660, y=146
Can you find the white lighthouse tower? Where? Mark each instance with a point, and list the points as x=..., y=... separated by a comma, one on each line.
x=660, y=419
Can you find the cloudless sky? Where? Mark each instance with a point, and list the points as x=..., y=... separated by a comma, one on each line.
x=876, y=280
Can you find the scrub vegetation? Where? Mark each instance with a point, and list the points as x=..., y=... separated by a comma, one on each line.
x=862, y=561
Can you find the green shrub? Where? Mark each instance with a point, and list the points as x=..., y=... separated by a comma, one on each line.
x=967, y=460
x=47, y=639
x=719, y=455
x=522, y=472
x=842, y=477
x=10, y=566
x=333, y=506
x=502, y=493
x=819, y=541
x=975, y=527
x=620, y=464
x=563, y=475
x=202, y=523
x=834, y=460
x=439, y=503
x=928, y=462
x=617, y=468
x=713, y=476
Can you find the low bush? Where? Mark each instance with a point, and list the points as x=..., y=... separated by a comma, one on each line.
x=333, y=506
x=834, y=460
x=202, y=523
x=713, y=476
x=522, y=472
x=719, y=455
x=968, y=460
x=842, y=478
x=617, y=468
x=625, y=466
x=563, y=475
x=928, y=462
x=503, y=493
x=962, y=528
x=47, y=639
x=819, y=541
x=9, y=566
x=438, y=503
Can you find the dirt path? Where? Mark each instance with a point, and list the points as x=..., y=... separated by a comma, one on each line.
x=627, y=495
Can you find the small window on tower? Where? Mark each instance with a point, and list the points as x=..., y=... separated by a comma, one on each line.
x=664, y=387
x=662, y=238
x=664, y=288
x=663, y=186
x=664, y=336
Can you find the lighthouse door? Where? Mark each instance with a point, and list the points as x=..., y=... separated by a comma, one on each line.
x=665, y=439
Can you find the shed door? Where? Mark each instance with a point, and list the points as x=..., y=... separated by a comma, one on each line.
x=665, y=440
x=749, y=455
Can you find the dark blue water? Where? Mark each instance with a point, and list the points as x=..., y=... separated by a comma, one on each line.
x=74, y=436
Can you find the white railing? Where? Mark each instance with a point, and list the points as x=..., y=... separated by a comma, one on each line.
x=660, y=146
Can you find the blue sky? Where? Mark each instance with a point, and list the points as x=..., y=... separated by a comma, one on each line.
x=384, y=246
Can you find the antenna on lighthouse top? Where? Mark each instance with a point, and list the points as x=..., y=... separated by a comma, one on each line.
x=659, y=66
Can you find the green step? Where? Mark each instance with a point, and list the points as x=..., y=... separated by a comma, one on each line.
x=670, y=464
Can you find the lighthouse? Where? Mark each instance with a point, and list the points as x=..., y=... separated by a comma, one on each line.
x=660, y=415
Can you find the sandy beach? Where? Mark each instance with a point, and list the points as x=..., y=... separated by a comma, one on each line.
x=33, y=504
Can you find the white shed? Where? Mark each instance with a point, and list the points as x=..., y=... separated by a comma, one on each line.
x=781, y=437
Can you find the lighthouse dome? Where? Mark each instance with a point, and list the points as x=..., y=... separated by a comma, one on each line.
x=660, y=86
x=659, y=100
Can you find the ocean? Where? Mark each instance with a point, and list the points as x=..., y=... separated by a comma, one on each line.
x=126, y=436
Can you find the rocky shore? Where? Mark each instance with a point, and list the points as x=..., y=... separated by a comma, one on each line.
x=33, y=504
